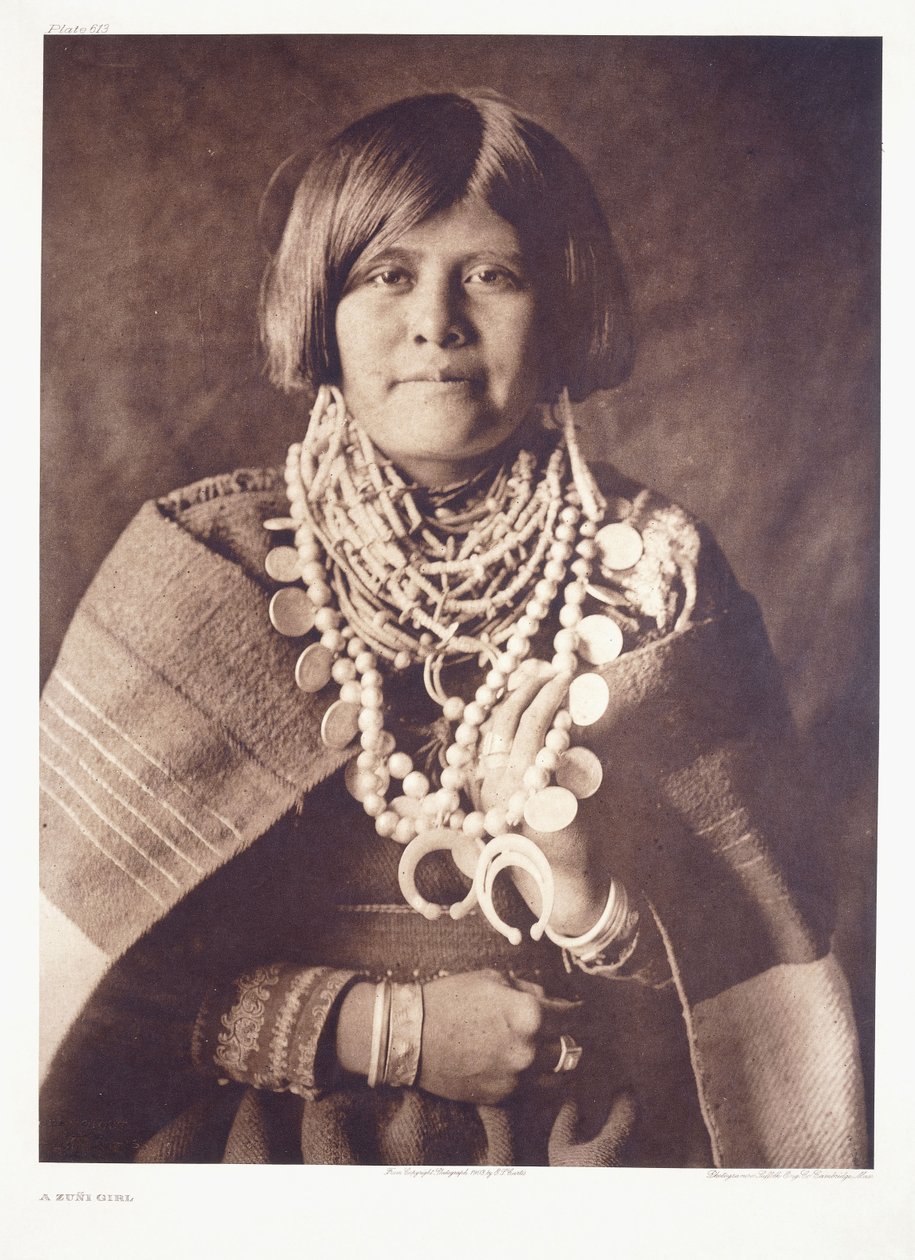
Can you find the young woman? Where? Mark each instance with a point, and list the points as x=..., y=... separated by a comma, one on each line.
x=432, y=800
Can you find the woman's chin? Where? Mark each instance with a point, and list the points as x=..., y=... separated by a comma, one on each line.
x=444, y=435
x=443, y=465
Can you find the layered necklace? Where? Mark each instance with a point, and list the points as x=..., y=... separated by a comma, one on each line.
x=387, y=576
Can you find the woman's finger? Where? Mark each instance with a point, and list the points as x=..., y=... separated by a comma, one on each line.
x=531, y=667
x=528, y=986
x=551, y=1052
x=558, y=1004
x=558, y=1018
x=537, y=717
x=506, y=716
x=497, y=736
x=557, y=1015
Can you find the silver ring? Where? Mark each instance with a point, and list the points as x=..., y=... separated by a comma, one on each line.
x=569, y=1054
x=495, y=743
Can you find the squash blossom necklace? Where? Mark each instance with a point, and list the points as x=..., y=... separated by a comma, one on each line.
x=387, y=585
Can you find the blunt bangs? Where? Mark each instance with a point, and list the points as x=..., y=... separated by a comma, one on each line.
x=391, y=170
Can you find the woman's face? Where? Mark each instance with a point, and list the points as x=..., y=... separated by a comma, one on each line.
x=438, y=344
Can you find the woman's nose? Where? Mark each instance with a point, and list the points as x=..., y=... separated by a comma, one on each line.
x=437, y=315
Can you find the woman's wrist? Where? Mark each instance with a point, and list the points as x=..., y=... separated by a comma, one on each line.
x=579, y=898
x=379, y=1032
x=578, y=904
x=354, y=1028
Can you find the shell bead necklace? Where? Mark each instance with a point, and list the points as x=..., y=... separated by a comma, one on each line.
x=389, y=583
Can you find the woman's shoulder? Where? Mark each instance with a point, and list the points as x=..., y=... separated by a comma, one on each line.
x=226, y=512
x=236, y=487
x=678, y=574
x=647, y=509
x=672, y=571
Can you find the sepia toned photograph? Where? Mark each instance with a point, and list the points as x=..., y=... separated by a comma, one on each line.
x=459, y=600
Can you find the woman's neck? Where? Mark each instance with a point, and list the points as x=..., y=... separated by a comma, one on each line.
x=439, y=474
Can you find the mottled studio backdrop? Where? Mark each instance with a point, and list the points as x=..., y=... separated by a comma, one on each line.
x=742, y=179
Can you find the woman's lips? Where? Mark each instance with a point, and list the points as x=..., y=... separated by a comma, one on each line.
x=439, y=382
x=425, y=380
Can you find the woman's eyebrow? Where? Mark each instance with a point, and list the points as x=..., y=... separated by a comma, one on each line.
x=507, y=257
x=393, y=253
x=404, y=256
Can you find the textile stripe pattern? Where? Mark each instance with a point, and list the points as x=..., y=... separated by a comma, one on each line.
x=790, y=1055
x=154, y=773
x=173, y=739
x=139, y=834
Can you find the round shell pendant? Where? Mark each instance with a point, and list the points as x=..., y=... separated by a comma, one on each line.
x=550, y=809
x=606, y=595
x=340, y=724
x=282, y=564
x=589, y=697
x=620, y=545
x=600, y=639
x=312, y=669
x=580, y=771
x=291, y=612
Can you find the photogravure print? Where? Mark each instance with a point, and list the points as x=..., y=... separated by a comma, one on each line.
x=472, y=765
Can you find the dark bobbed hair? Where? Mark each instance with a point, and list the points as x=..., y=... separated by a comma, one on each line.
x=387, y=173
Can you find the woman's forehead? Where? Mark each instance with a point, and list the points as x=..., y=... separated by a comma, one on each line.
x=465, y=229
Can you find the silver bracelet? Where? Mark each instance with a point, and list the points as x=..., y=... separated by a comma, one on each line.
x=381, y=1025
x=596, y=964
x=405, y=1034
x=605, y=930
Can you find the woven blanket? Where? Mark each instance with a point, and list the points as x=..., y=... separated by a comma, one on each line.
x=172, y=740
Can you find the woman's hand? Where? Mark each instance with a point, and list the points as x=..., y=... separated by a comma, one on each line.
x=518, y=728
x=482, y=1036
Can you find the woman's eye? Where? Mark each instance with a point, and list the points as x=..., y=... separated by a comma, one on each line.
x=494, y=278
x=389, y=278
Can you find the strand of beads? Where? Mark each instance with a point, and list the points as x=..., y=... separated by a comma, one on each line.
x=361, y=702
x=544, y=807
x=442, y=808
x=348, y=554
x=400, y=575
x=420, y=811
x=560, y=803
